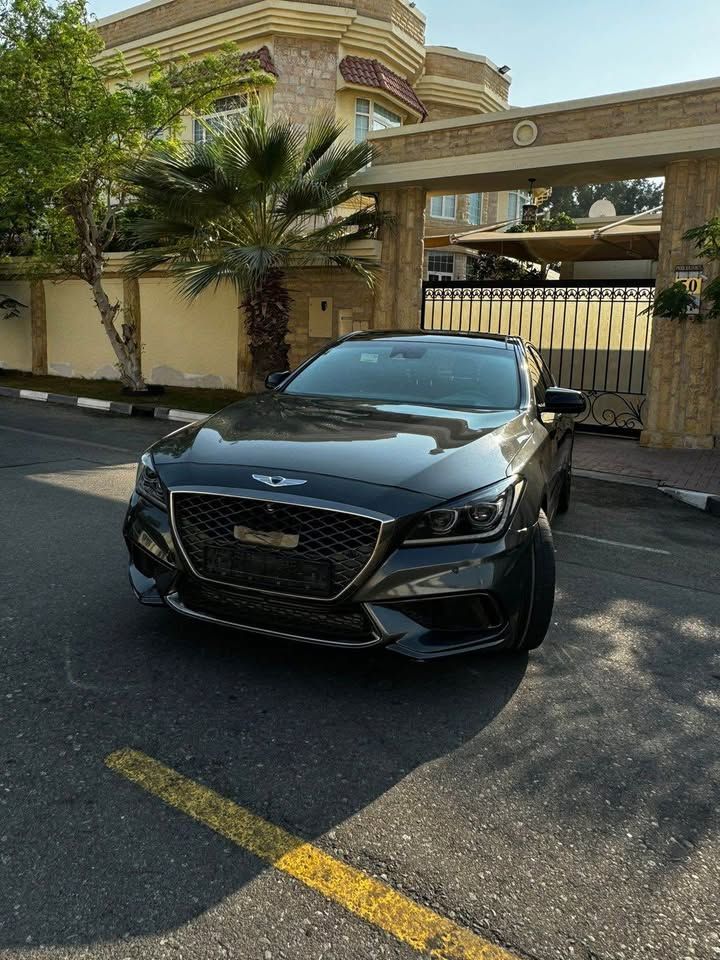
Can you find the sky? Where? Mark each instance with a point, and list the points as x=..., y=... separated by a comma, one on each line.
x=573, y=48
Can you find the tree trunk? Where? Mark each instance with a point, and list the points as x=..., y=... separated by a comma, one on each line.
x=267, y=314
x=91, y=268
x=123, y=341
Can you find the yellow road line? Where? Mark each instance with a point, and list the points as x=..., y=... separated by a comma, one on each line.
x=378, y=904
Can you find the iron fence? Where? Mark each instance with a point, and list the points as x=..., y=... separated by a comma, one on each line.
x=595, y=337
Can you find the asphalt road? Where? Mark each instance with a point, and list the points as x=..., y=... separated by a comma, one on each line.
x=565, y=805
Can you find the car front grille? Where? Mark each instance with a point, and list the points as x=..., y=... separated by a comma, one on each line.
x=345, y=625
x=324, y=550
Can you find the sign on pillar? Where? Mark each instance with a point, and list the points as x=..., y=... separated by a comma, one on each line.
x=691, y=276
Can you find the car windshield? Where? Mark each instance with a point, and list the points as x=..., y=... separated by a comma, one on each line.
x=414, y=371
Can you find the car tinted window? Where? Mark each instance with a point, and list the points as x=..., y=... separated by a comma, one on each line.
x=536, y=378
x=545, y=375
x=419, y=372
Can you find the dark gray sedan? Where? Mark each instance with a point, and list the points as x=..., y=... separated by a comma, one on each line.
x=396, y=490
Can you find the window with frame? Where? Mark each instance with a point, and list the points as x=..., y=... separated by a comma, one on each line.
x=444, y=208
x=475, y=205
x=371, y=116
x=226, y=112
x=441, y=266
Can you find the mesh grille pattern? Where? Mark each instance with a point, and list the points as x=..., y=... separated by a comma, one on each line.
x=347, y=624
x=343, y=540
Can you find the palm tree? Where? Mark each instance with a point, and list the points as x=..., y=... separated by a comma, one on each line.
x=265, y=197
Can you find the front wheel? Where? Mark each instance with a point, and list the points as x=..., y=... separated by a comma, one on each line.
x=543, y=588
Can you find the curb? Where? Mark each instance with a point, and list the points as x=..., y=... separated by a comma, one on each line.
x=186, y=416
x=701, y=501
x=104, y=406
x=707, y=502
x=615, y=478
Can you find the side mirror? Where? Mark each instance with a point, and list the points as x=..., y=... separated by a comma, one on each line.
x=273, y=380
x=561, y=400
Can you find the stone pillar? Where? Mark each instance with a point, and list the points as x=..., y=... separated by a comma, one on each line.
x=398, y=289
x=38, y=327
x=683, y=408
x=492, y=206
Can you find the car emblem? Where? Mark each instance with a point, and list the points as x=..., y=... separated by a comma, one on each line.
x=277, y=481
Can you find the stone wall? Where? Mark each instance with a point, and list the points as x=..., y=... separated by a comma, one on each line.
x=684, y=367
x=559, y=127
x=469, y=70
x=173, y=13
x=401, y=15
x=445, y=111
x=308, y=76
x=347, y=292
x=491, y=213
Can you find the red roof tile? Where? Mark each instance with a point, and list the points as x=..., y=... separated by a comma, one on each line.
x=372, y=73
x=263, y=57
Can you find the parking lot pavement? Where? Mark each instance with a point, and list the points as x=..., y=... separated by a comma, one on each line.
x=561, y=805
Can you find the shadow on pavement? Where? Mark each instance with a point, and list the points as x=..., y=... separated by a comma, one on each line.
x=303, y=736
x=614, y=731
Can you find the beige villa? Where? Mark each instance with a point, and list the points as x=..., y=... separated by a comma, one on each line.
x=453, y=156
x=367, y=61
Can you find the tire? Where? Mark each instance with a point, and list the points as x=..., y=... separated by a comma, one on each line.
x=543, y=593
x=563, y=504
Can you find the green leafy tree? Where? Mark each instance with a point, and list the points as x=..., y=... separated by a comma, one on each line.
x=628, y=197
x=545, y=224
x=18, y=216
x=490, y=266
x=70, y=120
x=266, y=197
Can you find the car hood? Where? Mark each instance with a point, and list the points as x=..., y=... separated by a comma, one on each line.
x=439, y=452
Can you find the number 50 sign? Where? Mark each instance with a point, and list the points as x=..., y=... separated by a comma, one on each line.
x=691, y=276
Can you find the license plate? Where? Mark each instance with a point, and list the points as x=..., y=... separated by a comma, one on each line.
x=260, y=568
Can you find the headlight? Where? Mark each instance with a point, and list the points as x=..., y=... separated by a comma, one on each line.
x=480, y=516
x=148, y=484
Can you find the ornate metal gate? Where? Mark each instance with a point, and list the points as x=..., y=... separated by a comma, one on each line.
x=594, y=336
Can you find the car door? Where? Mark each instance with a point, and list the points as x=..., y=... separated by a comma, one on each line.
x=560, y=428
x=541, y=379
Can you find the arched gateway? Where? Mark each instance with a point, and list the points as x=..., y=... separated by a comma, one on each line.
x=671, y=131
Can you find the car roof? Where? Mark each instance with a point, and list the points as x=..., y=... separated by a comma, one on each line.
x=442, y=336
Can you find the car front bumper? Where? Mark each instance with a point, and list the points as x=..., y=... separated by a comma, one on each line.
x=424, y=601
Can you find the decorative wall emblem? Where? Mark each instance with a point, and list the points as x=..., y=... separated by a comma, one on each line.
x=525, y=133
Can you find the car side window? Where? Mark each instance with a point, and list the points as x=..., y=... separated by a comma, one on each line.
x=548, y=378
x=536, y=377
x=545, y=378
